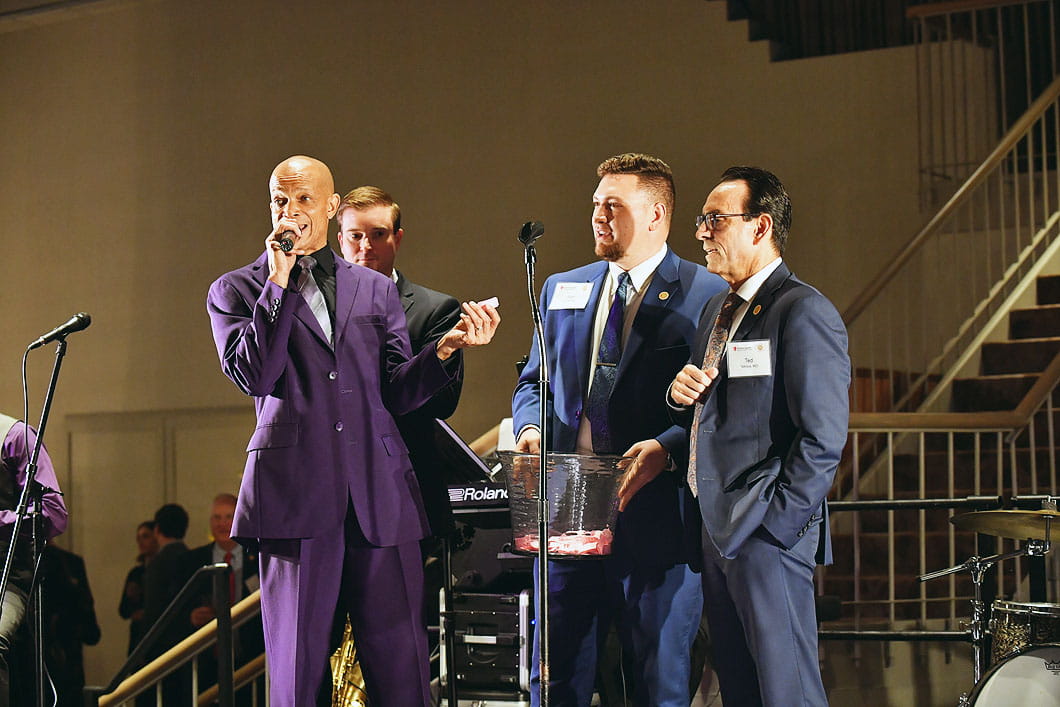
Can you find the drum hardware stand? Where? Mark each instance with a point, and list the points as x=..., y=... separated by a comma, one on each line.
x=977, y=567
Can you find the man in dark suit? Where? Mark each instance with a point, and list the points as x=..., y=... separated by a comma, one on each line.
x=328, y=493
x=644, y=300
x=163, y=580
x=248, y=642
x=370, y=234
x=770, y=412
x=69, y=622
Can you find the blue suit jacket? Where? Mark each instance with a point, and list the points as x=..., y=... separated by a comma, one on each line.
x=650, y=531
x=768, y=446
x=325, y=430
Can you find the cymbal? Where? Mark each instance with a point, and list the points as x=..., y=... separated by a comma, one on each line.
x=1018, y=525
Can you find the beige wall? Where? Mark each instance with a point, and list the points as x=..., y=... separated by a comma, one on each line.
x=137, y=144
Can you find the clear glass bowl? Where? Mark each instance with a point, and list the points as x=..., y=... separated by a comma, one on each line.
x=583, y=502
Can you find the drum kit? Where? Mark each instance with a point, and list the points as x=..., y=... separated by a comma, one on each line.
x=1025, y=646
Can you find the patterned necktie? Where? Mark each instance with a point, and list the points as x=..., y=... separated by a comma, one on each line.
x=311, y=293
x=719, y=335
x=604, y=374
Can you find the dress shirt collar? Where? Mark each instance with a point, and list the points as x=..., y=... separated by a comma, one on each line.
x=325, y=258
x=237, y=552
x=753, y=284
x=639, y=274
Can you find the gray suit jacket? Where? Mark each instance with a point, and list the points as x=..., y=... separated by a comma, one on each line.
x=768, y=446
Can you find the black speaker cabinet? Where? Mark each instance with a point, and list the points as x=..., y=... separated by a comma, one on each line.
x=493, y=643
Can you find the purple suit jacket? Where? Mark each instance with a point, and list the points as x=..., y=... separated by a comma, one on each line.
x=325, y=430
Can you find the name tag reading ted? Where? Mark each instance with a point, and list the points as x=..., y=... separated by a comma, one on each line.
x=571, y=295
x=748, y=358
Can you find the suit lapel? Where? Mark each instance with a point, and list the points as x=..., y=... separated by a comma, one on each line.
x=346, y=284
x=405, y=290
x=762, y=301
x=583, y=320
x=653, y=307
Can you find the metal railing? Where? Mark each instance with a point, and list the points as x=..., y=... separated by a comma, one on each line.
x=136, y=677
x=979, y=64
x=919, y=319
x=946, y=456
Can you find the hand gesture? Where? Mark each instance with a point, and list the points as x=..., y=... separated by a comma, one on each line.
x=691, y=384
x=649, y=459
x=478, y=323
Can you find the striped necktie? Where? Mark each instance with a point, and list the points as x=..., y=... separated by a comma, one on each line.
x=311, y=293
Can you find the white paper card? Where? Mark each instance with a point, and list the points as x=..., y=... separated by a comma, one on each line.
x=748, y=358
x=571, y=295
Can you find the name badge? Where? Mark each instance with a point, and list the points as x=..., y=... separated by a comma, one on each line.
x=571, y=295
x=748, y=358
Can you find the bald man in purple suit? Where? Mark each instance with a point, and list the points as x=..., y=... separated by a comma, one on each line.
x=328, y=493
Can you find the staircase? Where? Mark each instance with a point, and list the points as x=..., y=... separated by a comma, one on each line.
x=952, y=464
x=1009, y=368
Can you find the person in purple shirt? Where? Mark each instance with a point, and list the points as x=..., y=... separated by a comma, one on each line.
x=328, y=494
x=19, y=440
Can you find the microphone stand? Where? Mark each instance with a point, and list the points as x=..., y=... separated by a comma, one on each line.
x=542, y=480
x=32, y=491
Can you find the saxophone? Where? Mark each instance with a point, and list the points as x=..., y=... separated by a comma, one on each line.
x=347, y=685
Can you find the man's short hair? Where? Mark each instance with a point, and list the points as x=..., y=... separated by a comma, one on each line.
x=654, y=176
x=224, y=498
x=765, y=195
x=172, y=521
x=366, y=197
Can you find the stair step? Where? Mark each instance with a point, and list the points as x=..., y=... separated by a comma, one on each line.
x=1018, y=356
x=1000, y=392
x=1034, y=322
x=1048, y=289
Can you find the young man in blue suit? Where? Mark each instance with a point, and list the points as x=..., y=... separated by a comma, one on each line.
x=770, y=407
x=618, y=408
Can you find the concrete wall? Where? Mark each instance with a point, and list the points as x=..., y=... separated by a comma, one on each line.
x=136, y=146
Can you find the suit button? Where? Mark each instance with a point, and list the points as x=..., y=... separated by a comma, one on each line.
x=801, y=533
x=338, y=426
x=332, y=375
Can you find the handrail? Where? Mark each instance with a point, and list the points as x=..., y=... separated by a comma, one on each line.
x=219, y=572
x=486, y=442
x=942, y=421
x=1016, y=133
x=128, y=682
x=246, y=673
x=944, y=8
x=244, y=610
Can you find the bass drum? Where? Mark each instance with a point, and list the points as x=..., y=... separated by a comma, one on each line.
x=1029, y=677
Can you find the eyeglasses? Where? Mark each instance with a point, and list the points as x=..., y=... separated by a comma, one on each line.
x=712, y=221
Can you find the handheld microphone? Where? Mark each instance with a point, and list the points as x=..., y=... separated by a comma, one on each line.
x=77, y=322
x=530, y=232
x=287, y=240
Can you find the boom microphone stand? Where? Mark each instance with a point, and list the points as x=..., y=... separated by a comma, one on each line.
x=530, y=232
x=32, y=491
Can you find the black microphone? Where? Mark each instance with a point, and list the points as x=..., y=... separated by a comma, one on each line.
x=287, y=240
x=77, y=322
x=530, y=232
